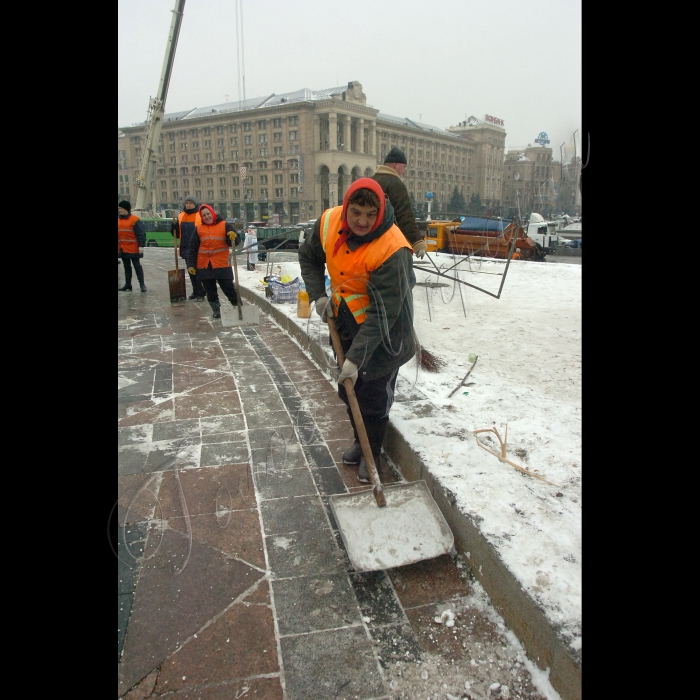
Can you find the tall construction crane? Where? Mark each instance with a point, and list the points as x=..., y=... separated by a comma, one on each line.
x=156, y=111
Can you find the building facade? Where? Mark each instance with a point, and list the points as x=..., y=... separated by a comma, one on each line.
x=294, y=155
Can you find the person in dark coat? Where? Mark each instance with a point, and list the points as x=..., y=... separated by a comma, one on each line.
x=131, y=239
x=207, y=257
x=370, y=263
x=389, y=177
x=182, y=228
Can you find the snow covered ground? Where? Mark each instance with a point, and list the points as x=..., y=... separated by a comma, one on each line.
x=527, y=377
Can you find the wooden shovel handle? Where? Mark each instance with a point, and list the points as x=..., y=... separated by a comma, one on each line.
x=357, y=415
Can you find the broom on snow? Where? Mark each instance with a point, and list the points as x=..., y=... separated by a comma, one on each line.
x=426, y=359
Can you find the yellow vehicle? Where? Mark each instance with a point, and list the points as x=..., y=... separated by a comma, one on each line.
x=479, y=236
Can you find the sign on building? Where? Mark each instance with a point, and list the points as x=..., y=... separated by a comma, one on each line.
x=542, y=138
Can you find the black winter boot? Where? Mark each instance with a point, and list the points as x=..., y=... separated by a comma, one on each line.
x=127, y=282
x=354, y=453
x=216, y=308
x=363, y=474
x=139, y=274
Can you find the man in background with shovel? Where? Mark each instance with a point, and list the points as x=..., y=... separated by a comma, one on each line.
x=183, y=228
x=207, y=257
x=370, y=263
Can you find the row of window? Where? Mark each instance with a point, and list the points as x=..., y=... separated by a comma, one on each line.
x=232, y=128
x=262, y=180
x=264, y=194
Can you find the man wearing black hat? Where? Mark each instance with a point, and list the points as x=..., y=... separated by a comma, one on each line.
x=131, y=239
x=183, y=227
x=389, y=177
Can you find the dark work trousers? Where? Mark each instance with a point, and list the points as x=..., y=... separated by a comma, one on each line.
x=375, y=398
x=197, y=286
x=127, y=259
x=227, y=287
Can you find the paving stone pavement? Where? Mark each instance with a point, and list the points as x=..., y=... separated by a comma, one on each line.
x=233, y=579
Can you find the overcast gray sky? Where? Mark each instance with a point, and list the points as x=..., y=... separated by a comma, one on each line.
x=438, y=62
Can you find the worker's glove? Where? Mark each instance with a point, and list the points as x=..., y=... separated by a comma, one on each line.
x=348, y=370
x=419, y=248
x=322, y=308
x=232, y=236
x=192, y=270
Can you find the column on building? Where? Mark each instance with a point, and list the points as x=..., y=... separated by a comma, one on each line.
x=333, y=131
x=361, y=135
x=373, y=139
x=317, y=132
x=347, y=132
x=332, y=189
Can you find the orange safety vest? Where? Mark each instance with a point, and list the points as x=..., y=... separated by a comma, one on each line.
x=350, y=270
x=516, y=255
x=212, y=245
x=126, y=238
x=194, y=217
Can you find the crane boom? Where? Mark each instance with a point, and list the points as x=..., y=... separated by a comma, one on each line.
x=156, y=111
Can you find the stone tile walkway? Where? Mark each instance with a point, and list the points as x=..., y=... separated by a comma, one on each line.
x=233, y=580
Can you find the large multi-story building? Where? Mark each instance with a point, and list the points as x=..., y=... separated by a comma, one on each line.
x=295, y=154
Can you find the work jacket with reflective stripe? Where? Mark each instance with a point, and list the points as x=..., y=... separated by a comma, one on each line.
x=186, y=224
x=350, y=270
x=126, y=235
x=213, y=245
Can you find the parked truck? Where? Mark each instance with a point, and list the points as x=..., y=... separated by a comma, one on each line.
x=481, y=236
x=544, y=233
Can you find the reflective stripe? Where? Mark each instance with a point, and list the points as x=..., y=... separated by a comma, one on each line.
x=217, y=250
x=324, y=232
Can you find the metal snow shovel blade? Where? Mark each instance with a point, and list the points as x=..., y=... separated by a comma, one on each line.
x=248, y=315
x=386, y=527
x=176, y=280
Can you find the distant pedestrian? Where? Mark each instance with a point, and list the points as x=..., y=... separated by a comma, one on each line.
x=207, y=257
x=183, y=228
x=389, y=177
x=131, y=239
x=251, y=239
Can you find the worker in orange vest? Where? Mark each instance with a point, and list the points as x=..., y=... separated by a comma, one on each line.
x=207, y=256
x=182, y=228
x=369, y=261
x=516, y=255
x=131, y=239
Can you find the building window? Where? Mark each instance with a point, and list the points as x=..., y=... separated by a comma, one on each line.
x=262, y=138
x=234, y=141
x=183, y=159
x=222, y=194
x=210, y=181
x=222, y=182
x=263, y=179
x=219, y=129
x=262, y=152
x=279, y=192
x=247, y=126
x=207, y=144
x=176, y=195
x=293, y=135
x=171, y=136
x=236, y=194
x=294, y=193
x=248, y=152
x=195, y=145
x=183, y=146
x=198, y=194
x=294, y=177
x=208, y=157
x=210, y=194
x=278, y=179
x=277, y=164
x=262, y=124
x=194, y=133
x=234, y=128
x=248, y=140
x=276, y=123
x=277, y=136
x=263, y=193
x=219, y=143
x=207, y=131
x=196, y=158
x=163, y=184
x=293, y=121
x=278, y=151
x=186, y=182
x=293, y=164
x=234, y=155
x=293, y=150
x=172, y=148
